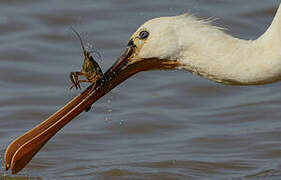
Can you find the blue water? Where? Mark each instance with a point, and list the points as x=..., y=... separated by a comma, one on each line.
x=156, y=125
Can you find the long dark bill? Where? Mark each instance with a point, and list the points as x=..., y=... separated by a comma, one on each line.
x=24, y=148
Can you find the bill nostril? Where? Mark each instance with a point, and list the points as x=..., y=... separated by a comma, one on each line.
x=131, y=43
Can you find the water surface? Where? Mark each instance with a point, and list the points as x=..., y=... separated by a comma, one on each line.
x=156, y=125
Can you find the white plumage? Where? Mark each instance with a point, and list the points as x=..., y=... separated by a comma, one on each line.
x=208, y=51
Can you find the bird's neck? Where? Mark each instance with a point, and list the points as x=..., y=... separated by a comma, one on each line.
x=218, y=56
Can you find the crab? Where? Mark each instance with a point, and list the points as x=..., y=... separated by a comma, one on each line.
x=90, y=69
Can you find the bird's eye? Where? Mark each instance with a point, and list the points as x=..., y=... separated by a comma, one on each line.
x=143, y=34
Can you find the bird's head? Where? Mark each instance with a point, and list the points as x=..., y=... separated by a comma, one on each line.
x=155, y=39
x=154, y=46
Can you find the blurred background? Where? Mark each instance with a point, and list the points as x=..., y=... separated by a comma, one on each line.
x=156, y=125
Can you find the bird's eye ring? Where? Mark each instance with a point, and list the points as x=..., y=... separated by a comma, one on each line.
x=143, y=34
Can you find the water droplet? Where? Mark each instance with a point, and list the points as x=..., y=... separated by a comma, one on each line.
x=109, y=110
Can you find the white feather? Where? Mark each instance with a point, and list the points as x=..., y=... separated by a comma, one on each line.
x=208, y=51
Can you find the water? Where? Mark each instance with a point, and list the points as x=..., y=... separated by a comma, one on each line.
x=156, y=125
